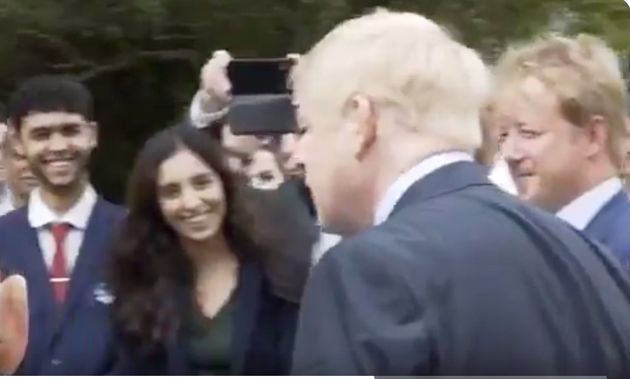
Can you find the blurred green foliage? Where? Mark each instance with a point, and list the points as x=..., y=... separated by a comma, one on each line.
x=141, y=57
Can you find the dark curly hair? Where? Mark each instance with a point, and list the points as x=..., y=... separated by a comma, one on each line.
x=150, y=275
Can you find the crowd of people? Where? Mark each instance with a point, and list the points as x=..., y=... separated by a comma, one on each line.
x=432, y=215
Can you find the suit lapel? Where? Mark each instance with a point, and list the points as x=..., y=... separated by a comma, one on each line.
x=447, y=179
x=245, y=314
x=599, y=227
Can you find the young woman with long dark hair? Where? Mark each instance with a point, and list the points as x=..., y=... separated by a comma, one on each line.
x=191, y=293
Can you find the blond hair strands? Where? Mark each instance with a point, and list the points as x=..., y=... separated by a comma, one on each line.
x=400, y=60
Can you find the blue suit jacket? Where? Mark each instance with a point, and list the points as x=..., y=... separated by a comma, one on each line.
x=611, y=227
x=463, y=279
x=263, y=328
x=75, y=339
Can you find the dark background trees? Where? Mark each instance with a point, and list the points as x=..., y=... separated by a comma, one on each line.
x=141, y=57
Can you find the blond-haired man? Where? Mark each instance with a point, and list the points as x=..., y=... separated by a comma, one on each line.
x=440, y=271
x=563, y=101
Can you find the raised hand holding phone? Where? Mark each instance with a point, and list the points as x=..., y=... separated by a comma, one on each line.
x=214, y=77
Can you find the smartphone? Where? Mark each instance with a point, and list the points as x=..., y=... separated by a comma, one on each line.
x=262, y=115
x=259, y=76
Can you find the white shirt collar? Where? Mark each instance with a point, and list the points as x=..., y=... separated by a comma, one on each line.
x=501, y=177
x=39, y=214
x=6, y=204
x=401, y=185
x=581, y=211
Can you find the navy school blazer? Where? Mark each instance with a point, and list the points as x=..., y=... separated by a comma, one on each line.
x=263, y=335
x=75, y=339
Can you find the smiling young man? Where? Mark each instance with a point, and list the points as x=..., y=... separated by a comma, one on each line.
x=60, y=240
x=563, y=105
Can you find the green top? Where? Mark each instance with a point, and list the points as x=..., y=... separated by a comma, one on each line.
x=208, y=342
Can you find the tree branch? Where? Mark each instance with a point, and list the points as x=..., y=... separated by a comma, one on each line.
x=69, y=66
x=174, y=37
x=67, y=50
x=135, y=58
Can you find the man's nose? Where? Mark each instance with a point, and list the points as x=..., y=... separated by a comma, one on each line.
x=190, y=199
x=510, y=148
x=58, y=142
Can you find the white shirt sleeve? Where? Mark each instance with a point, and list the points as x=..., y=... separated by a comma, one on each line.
x=325, y=242
x=202, y=111
x=501, y=177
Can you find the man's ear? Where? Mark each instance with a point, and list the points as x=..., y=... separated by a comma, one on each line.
x=93, y=134
x=596, y=130
x=364, y=124
x=12, y=130
x=15, y=135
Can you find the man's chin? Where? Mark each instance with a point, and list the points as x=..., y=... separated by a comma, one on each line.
x=542, y=200
x=61, y=185
x=526, y=194
x=525, y=188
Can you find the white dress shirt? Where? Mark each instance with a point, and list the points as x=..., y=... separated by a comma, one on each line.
x=500, y=175
x=581, y=211
x=401, y=185
x=326, y=242
x=201, y=118
x=40, y=216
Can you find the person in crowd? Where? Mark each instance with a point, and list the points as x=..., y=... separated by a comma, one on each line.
x=264, y=170
x=276, y=185
x=209, y=109
x=59, y=242
x=20, y=180
x=192, y=295
x=563, y=101
x=14, y=326
x=440, y=272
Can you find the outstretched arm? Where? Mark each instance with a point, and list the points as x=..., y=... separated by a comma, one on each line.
x=13, y=323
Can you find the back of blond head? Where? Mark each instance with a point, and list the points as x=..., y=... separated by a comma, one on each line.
x=400, y=60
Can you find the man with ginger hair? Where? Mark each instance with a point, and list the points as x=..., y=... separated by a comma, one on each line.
x=563, y=104
x=440, y=272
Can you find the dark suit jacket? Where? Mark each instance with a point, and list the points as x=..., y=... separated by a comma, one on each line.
x=287, y=233
x=263, y=335
x=75, y=339
x=463, y=279
x=611, y=227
